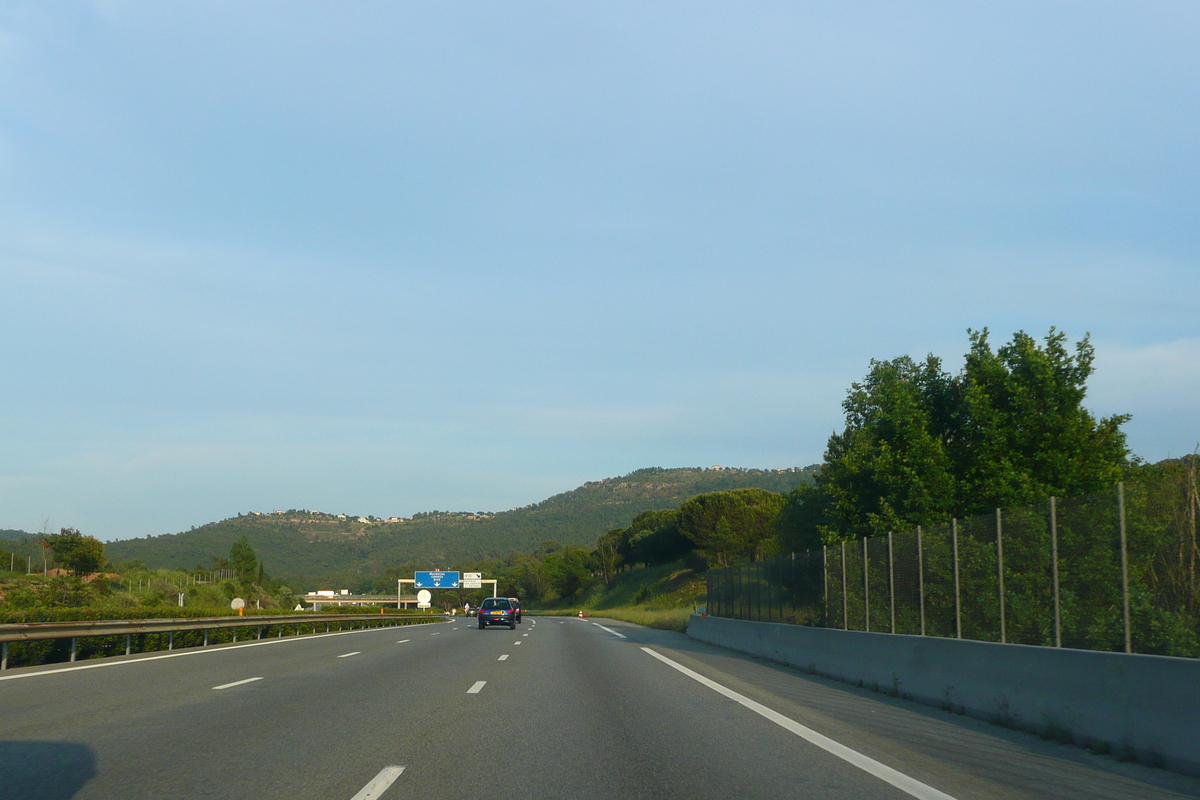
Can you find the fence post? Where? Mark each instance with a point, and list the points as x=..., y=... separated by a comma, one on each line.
x=825, y=579
x=1054, y=571
x=921, y=577
x=1000, y=573
x=1124, y=565
x=845, y=600
x=866, y=588
x=782, y=597
x=957, y=591
x=892, y=581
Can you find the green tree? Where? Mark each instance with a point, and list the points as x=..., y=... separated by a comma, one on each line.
x=243, y=559
x=81, y=554
x=921, y=445
x=608, y=555
x=1022, y=431
x=729, y=526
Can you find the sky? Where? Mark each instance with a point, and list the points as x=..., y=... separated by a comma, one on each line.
x=382, y=258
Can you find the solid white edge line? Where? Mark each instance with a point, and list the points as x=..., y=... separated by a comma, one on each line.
x=379, y=784
x=476, y=687
x=903, y=782
x=236, y=683
x=220, y=648
x=347, y=655
x=610, y=630
x=503, y=657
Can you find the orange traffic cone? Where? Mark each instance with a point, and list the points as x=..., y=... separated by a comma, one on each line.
x=581, y=613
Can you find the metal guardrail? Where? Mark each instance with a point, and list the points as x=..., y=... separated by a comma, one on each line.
x=33, y=631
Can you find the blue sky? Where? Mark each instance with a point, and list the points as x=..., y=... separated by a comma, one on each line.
x=384, y=258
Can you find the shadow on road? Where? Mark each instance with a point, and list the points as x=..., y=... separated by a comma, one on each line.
x=44, y=770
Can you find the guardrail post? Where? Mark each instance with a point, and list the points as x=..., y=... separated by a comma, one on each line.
x=235, y=635
x=3, y=655
x=260, y=631
x=72, y=648
x=171, y=640
x=1054, y=572
x=327, y=627
x=205, y=637
x=128, y=643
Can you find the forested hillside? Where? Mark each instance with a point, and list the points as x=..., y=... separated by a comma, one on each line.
x=310, y=548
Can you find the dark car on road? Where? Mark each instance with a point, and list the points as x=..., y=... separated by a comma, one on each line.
x=498, y=611
x=516, y=604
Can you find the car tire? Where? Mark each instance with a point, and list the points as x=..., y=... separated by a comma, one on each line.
x=512, y=626
x=482, y=624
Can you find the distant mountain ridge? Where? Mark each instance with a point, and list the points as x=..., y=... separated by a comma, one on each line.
x=310, y=548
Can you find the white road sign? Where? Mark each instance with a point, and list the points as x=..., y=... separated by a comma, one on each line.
x=424, y=596
x=472, y=576
x=472, y=583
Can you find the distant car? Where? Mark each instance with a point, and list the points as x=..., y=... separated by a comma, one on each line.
x=498, y=611
x=517, y=605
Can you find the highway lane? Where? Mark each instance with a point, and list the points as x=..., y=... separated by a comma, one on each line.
x=558, y=708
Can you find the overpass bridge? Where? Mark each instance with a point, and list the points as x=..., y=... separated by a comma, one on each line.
x=319, y=599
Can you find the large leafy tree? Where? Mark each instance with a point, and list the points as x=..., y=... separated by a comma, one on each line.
x=243, y=559
x=729, y=526
x=921, y=445
x=81, y=554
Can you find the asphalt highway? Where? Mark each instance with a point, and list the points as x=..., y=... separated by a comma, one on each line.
x=559, y=708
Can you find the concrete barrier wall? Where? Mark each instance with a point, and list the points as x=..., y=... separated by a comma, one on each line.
x=1144, y=706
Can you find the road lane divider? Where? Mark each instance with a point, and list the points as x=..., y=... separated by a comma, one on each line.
x=503, y=657
x=347, y=655
x=206, y=651
x=402, y=641
x=237, y=683
x=476, y=687
x=435, y=633
x=909, y=785
x=379, y=784
x=610, y=630
x=524, y=634
x=517, y=642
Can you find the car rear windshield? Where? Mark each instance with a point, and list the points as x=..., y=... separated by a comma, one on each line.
x=493, y=603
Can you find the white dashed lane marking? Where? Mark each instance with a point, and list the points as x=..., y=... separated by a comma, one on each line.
x=476, y=687
x=516, y=642
x=503, y=657
x=237, y=683
x=402, y=641
x=347, y=655
x=379, y=784
x=610, y=630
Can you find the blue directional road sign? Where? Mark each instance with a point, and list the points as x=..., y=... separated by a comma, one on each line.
x=435, y=579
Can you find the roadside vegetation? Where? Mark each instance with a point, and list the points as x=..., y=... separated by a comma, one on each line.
x=920, y=446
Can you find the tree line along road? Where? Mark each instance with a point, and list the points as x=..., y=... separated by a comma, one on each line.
x=559, y=708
